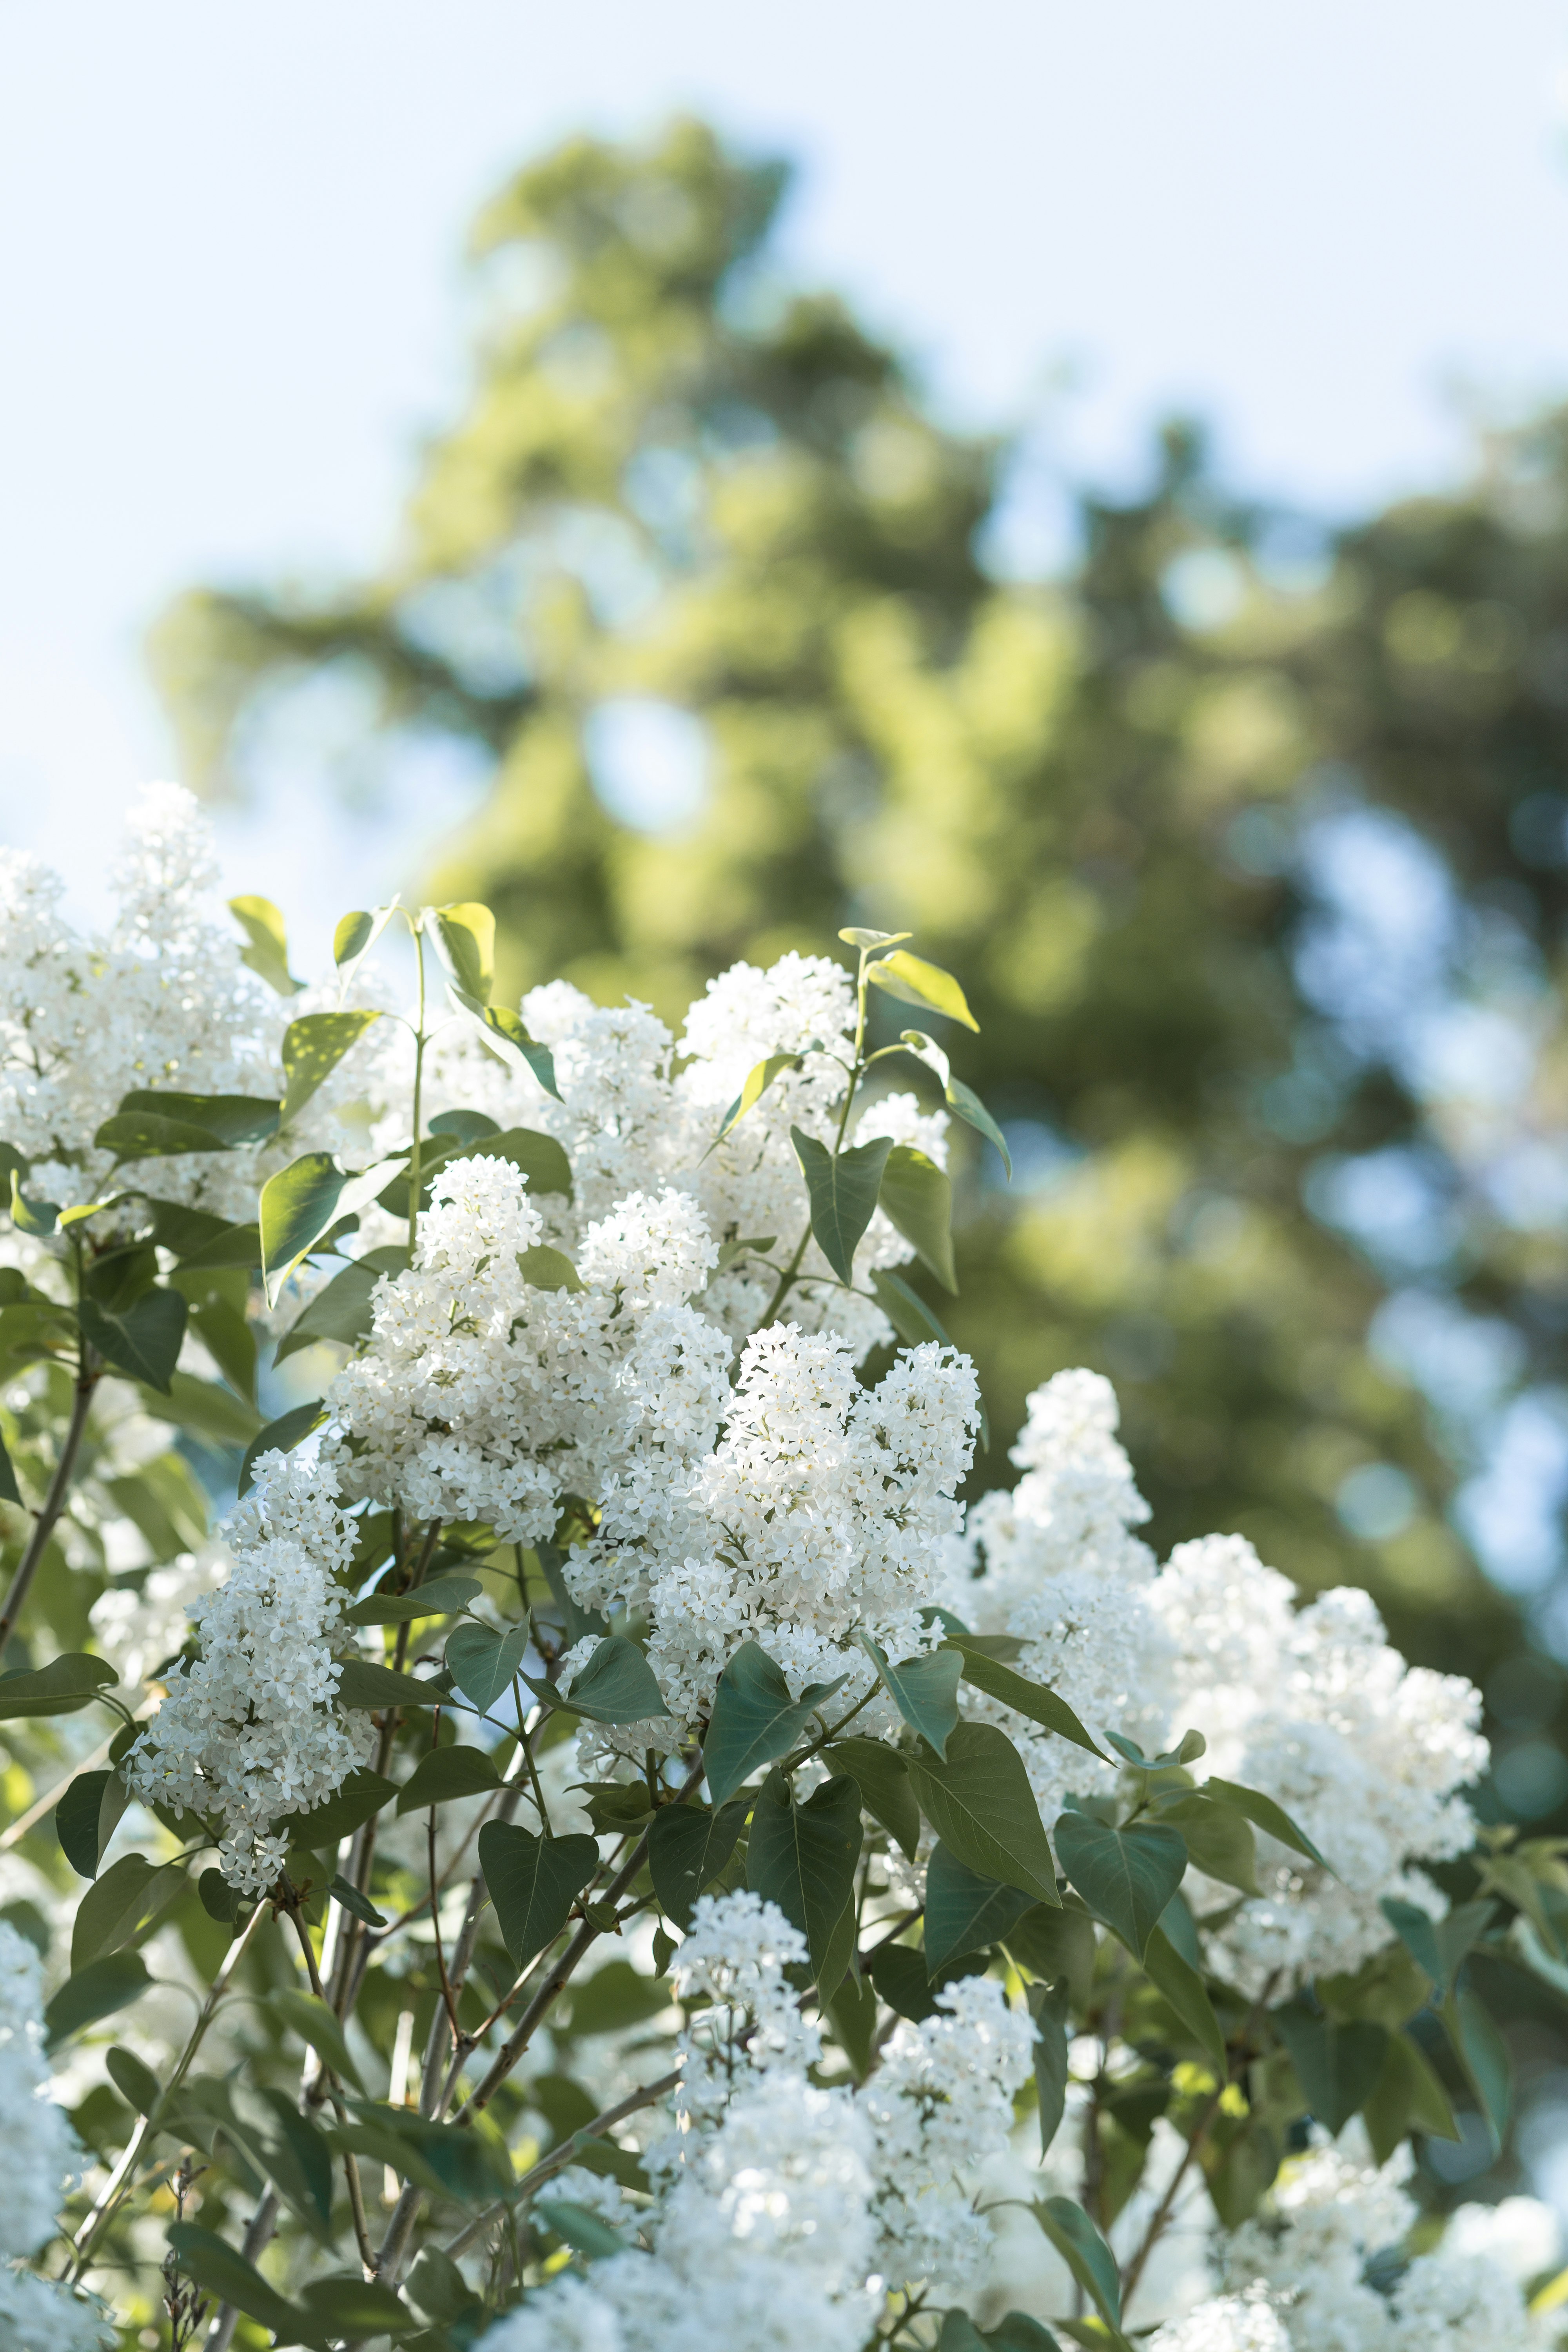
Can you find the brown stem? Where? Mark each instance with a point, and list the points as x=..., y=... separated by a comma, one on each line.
x=560, y=2157
x=54, y=1503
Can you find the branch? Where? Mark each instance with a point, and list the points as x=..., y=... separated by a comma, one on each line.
x=54, y=1504
x=560, y=2157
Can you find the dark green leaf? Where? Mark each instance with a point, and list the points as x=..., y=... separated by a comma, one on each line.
x=205, y=1409
x=998, y=1681
x=918, y=1197
x=267, y=951
x=144, y=1341
x=614, y=1998
x=842, y=1190
x=462, y=2162
x=576, y=1619
x=1407, y=2096
x=1054, y=1944
x=688, y=1846
x=9, y=1490
x=1016, y=2332
x=1438, y=1945
x=466, y=1126
x=86, y=1817
x=1337, y=2065
x=439, y=2286
x=616, y=1685
x=541, y=1160
x=444, y=1596
x=1050, y=2006
x=579, y=2228
x=342, y=1311
x=465, y=938
x=852, y=2010
x=914, y=982
x=349, y=1807
x=483, y=1660
x=304, y=1201
x=218, y=1899
x=133, y=2079
x=969, y=1107
x=906, y=1310
x=981, y=1805
x=1126, y=1876
x=39, y=1218
x=225, y=1119
x=361, y=1684
x=1218, y=1839
x=755, y=1720
x=898, y=1973
x=1183, y=1987
x=923, y=1689
x=357, y=2306
x=802, y=1858
x=1479, y=2047
x=281, y=1436
x=116, y=1905
x=1264, y=1814
x=228, y=1338
x=447, y=1773
x=66, y=1684
x=533, y=1882
x=223, y=2272
x=885, y=1787
x=153, y=1135
x=964, y=1912
x=314, y=2022
x=312, y=1047
x=1177, y=1923
x=758, y=1080
x=94, y=1992
x=1085, y=2252
x=350, y=1898
x=230, y=1245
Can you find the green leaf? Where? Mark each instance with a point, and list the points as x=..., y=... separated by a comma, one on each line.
x=267, y=954
x=36, y=1217
x=355, y=936
x=964, y=1912
x=361, y=1905
x=447, y=1773
x=576, y=1619
x=688, y=1846
x=1264, y=1814
x=969, y=1107
x=981, y=1805
x=9, y=1490
x=350, y=1806
x=616, y=1685
x=358, y=2306
x=313, y=2021
x=217, y=1898
x=1336, y=2064
x=1407, y=2096
x=153, y=1135
x=1050, y=2006
x=66, y=1684
x=1438, y=1945
x=144, y=1341
x=758, y=1080
x=205, y=1409
x=1183, y=1989
x=1480, y=2049
x=94, y=1992
x=852, y=2010
x=906, y=1310
x=1085, y=2252
x=923, y=1689
x=134, y=2080
x=802, y=1858
x=533, y=1882
x=541, y=1160
x=230, y=1245
x=505, y=1035
x=228, y=1338
x=464, y=937
x=444, y=1596
x=281, y=1436
x=312, y=1047
x=483, y=1662
x=1016, y=2332
x=898, y=1973
x=218, y=2267
x=1040, y=1704
x=341, y=1311
x=439, y=2286
x=118, y=1905
x=842, y=1191
x=225, y=1119
x=304, y=1201
x=86, y=1818
x=883, y=1778
x=361, y=1684
x=1218, y=1839
x=548, y=1269
x=914, y=982
x=465, y=2162
x=918, y=1197
x=579, y=2228
x=755, y=1720
x=1126, y=1876
x=1054, y=1944
x=856, y=936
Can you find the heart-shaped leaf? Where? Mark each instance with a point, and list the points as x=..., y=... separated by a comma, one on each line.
x=981, y=1805
x=482, y=1661
x=533, y=1882
x=445, y=1774
x=842, y=1190
x=1126, y=1876
x=754, y=1720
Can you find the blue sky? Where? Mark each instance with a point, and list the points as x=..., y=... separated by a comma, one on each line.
x=229, y=244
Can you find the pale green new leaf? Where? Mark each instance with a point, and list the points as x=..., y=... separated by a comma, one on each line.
x=267, y=951
x=304, y=1201
x=758, y=1081
x=914, y=982
x=465, y=938
x=312, y=1047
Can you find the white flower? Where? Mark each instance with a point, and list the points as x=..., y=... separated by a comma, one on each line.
x=736, y=1955
x=1227, y=2324
x=38, y=2151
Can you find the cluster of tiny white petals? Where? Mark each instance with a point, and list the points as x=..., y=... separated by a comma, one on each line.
x=38, y=2158
x=940, y=2106
x=1315, y=1708
x=1054, y=1565
x=1226, y=2323
x=735, y=1958
x=250, y=1730
x=762, y=2244
x=827, y=1505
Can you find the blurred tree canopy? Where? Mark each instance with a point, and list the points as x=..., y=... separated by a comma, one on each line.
x=1251, y=851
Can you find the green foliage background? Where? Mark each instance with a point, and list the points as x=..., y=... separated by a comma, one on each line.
x=677, y=478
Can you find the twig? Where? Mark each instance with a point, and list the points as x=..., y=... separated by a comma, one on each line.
x=334, y=2092
x=560, y=2157
x=54, y=1501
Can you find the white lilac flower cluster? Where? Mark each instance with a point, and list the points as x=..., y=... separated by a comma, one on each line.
x=248, y=1730
x=1325, y=2257
x=39, y=2157
x=1311, y=1705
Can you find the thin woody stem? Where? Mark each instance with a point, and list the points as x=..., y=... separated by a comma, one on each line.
x=54, y=1501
